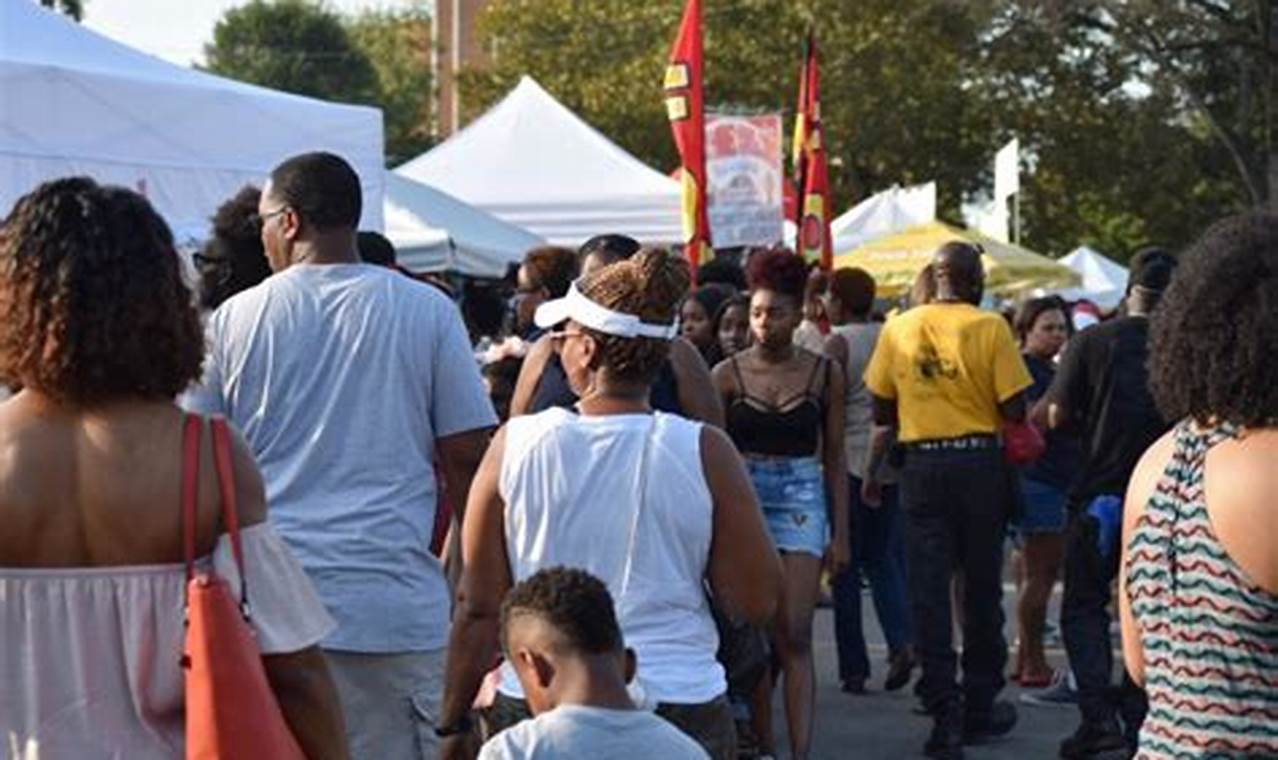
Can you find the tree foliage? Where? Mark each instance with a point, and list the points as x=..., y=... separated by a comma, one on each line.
x=398, y=43
x=1119, y=146
x=72, y=8
x=295, y=46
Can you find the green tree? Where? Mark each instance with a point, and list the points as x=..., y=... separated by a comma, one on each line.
x=73, y=8
x=398, y=43
x=295, y=46
x=1220, y=57
x=1114, y=162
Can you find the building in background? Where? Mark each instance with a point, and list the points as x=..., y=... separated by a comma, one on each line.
x=456, y=46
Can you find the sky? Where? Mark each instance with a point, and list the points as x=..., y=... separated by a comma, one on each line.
x=176, y=30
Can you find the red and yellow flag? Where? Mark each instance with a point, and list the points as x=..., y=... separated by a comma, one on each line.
x=685, y=107
x=811, y=174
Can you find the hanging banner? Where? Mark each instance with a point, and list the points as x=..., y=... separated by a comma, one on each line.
x=745, y=175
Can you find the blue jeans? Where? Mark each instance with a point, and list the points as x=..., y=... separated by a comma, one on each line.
x=878, y=550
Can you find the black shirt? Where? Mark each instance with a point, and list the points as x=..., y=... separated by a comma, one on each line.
x=553, y=389
x=1059, y=463
x=1104, y=387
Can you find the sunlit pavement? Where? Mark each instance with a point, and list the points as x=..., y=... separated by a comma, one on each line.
x=883, y=726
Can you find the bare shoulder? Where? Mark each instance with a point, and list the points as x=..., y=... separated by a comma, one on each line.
x=1149, y=470
x=1241, y=486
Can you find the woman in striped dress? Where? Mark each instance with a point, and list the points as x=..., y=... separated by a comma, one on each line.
x=1200, y=567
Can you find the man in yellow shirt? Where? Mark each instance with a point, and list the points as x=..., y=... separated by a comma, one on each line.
x=945, y=377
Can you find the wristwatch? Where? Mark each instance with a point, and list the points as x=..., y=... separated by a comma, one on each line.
x=461, y=726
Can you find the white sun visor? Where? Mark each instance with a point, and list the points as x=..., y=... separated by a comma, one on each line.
x=587, y=313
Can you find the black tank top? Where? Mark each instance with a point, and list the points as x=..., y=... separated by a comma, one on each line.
x=553, y=389
x=792, y=429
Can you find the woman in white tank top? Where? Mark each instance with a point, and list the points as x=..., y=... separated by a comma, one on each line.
x=653, y=504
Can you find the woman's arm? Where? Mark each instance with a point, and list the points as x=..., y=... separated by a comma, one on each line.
x=744, y=567
x=473, y=642
x=308, y=698
x=835, y=469
x=697, y=394
x=1139, y=490
x=530, y=375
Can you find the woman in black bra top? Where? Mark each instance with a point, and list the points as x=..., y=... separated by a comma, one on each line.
x=785, y=413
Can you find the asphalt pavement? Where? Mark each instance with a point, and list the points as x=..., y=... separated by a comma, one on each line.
x=882, y=726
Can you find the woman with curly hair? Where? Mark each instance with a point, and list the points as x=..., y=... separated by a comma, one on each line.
x=1199, y=602
x=653, y=504
x=233, y=258
x=100, y=331
x=785, y=413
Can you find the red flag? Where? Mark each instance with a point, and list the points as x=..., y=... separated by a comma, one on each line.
x=814, y=241
x=685, y=107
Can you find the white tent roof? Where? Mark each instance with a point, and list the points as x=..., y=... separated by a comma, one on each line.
x=536, y=164
x=434, y=232
x=75, y=102
x=884, y=213
x=1104, y=281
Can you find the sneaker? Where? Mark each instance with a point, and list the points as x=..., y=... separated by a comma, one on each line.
x=1063, y=692
x=1000, y=719
x=853, y=685
x=1096, y=741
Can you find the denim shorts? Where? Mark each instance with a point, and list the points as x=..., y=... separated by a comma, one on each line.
x=792, y=494
x=1044, y=508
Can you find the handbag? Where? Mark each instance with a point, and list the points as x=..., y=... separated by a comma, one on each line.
x=1022, y=443
x=231, y=712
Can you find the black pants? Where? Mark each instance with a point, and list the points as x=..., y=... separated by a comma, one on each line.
x=1085, y=622
x=957, y=505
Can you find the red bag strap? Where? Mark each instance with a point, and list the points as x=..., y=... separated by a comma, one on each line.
x=230, y=510
x=190, y=489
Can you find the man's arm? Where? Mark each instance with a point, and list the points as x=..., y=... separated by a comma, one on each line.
x=460, y=456
x=530, y=375
x=697, y=395
x=1067, y=394
x=882, y=439
x=1014, y=408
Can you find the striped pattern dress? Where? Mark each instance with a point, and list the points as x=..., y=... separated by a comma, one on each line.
x=1210, y=636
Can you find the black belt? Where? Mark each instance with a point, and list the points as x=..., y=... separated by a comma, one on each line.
x=964, y=443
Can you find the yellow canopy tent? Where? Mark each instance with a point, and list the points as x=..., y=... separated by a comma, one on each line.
x=896, y=259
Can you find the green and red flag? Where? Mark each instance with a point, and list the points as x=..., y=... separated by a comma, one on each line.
x=811, y=174
x=685, y=107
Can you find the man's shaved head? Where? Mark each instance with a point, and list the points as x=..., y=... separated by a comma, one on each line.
x=959, y=273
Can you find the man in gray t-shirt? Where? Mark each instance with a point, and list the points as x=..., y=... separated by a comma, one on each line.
x=350, y=382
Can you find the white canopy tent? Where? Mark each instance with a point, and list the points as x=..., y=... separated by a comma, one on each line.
x=892, y=210
x=534, y=163
x=75, y=102
x=884, y=213
x=434, y=232
x=1104, y=281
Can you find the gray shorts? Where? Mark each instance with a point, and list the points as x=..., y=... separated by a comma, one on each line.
x=390, y=702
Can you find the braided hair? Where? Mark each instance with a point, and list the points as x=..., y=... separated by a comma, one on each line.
x=651, y=284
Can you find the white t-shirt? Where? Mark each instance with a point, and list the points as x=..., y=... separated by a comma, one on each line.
x=574, y=497
x=592, y=733
x=341, y=377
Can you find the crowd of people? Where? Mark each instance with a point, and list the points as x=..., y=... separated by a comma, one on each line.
x=591, y=513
